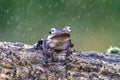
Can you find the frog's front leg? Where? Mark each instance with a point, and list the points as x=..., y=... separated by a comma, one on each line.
x=45, y=49
x=44, y=46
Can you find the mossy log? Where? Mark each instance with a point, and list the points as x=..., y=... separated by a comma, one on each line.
x=20, y=61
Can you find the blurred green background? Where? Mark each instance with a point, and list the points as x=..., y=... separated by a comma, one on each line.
x=95, y=23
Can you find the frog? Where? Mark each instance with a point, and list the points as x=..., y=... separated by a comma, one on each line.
x=58, y=40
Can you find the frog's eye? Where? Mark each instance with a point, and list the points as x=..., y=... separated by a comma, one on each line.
x=68, y=28
x=53, y=30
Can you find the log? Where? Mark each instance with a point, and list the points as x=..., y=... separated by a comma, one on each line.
x=20, y=61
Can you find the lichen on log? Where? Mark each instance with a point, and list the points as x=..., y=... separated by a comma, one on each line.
x=20, y=61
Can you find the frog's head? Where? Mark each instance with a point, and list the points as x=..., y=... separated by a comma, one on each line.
x=62, y=33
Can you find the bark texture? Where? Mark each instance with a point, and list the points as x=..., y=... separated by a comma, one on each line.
x=20, y=61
